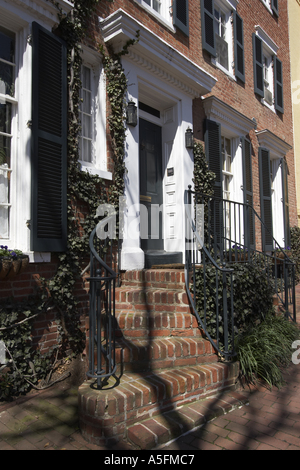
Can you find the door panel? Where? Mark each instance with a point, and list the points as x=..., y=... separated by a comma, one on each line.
x=151, y=195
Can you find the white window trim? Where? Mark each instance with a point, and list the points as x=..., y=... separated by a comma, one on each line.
x=227, y=7
x=166, y=15
x=99, y=157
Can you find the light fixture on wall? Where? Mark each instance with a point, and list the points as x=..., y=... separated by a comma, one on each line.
x=189, y=138
x=131, y=114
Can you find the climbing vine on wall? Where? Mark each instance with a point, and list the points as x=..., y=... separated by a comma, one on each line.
x=85, y=193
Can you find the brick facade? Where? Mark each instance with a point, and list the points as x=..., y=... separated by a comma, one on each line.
x=239, y=96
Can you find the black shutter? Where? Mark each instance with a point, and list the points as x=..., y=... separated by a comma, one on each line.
x=249, y=225
x=207, y=25
x=278, y=85
x=213, y=153
x=49, y=142
x=258, y=65
x=239, y=62
x=275, y=7
x=265, y=199
x=181, y=15
x=285, y=201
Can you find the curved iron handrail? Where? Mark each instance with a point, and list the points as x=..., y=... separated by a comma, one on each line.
x=102, y=310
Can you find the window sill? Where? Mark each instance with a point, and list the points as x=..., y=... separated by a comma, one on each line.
x=220, y=67
x=37, y=257
x=107, y=175
x=265, y=103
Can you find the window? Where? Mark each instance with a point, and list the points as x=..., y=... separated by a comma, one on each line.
x=227, y=174
x=159, y=8
x=86, y=116
x=155, y=4
x=92, y=137
x=220, y=26
x=271, y=5
x=268, y=77
x=7, y=80
x=223, y=36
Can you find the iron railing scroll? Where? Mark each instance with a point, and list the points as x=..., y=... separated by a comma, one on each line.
x=102, y=345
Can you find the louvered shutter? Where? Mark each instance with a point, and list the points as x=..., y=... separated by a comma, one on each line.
x=275, y=7
x=49, y=142
x=213, y=153
x=285, y=201
x=249, y=220
x=278, y=85
x=258, y=65
x=207, y=25
x=239, y=62
x=265, y=199
x=181, y=15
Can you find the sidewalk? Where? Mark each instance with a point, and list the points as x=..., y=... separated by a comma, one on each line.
x=48, y=421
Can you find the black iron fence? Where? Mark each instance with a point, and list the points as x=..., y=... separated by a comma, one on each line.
x=220, y=233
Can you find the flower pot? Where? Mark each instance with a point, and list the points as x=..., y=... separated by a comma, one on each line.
x=24, y=263
x=14, y=269
x=6, y=263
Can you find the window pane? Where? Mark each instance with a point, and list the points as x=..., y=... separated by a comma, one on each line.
x=156, y=5
x=7, y=45
x=5, y=118
x=86, y=78
x=86, y=104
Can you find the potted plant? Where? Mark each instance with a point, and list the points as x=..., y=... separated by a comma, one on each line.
x=12, y=262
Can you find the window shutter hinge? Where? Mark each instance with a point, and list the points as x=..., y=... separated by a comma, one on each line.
x=29, y=39
x=29, y=124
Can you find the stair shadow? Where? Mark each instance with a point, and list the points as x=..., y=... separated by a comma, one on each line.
x=149, y=374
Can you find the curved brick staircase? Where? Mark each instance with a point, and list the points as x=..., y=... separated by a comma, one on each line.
x=165, y=368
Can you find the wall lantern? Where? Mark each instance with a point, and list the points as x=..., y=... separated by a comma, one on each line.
x=131, y=114
x=189, y=138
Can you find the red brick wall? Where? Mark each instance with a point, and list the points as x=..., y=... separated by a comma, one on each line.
x=238, y=95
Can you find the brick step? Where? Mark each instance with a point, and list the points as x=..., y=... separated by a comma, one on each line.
x=106, y=414
x=156, y=432
x=163, y=353
x=151, y=299
x=171, y=279
x=156, y=323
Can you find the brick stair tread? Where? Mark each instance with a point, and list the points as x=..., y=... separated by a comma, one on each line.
x=161, y=278
x=157, y=431
x=137, y=298
x=142, y=396
x=168, y=322
x=161, y=353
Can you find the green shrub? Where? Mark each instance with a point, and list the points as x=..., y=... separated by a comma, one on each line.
x=252, y=297
x=265, y=349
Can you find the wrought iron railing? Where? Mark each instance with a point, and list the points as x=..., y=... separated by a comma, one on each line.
x=198, y=259
x=228, y=236
x=103, y=276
